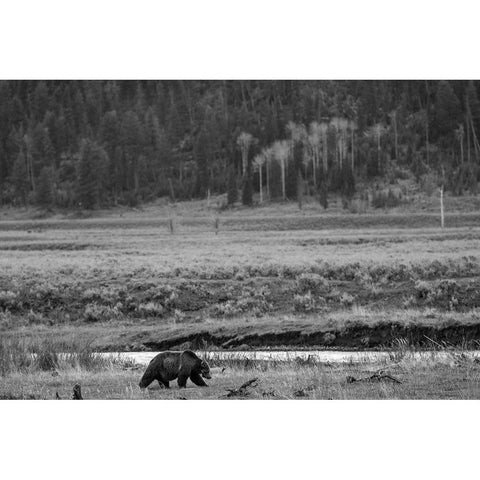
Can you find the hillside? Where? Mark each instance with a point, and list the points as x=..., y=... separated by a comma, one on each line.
x=99, y=144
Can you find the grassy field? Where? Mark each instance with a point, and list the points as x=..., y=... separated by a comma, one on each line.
x=134, y=287
x=400, y=377
x=270, y=277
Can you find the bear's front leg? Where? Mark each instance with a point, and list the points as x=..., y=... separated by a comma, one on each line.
x=197, y=380
x=182, y=381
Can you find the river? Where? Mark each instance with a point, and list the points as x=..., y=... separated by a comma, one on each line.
x=320, y=356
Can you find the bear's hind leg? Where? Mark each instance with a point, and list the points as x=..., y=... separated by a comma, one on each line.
x=197, y=380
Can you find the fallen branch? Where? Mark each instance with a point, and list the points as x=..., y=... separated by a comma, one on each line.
x=435, y=343
x=242, y=390
x=376, y=377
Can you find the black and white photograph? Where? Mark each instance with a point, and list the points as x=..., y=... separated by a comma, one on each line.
x=264, y=239
x=245, y=235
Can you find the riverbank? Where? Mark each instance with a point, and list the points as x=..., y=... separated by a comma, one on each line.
x=411, y=380
x=350, y=329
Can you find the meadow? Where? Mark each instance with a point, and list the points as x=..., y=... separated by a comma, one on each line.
x=49, y=376
x=271, y=277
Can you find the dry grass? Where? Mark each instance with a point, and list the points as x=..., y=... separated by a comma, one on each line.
x=420, y=380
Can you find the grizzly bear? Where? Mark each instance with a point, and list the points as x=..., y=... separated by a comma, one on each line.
x=167, y=366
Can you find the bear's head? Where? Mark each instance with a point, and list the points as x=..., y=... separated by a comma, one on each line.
x=205, y=370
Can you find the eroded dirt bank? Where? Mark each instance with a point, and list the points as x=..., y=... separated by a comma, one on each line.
x=352, y=337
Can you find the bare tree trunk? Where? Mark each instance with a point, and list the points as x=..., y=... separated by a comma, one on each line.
x=325, y=155
x=261, y=187
x=267, y=166
x=283, y=179
x=461, y=148
x=396, y=134
x=32, y=175
x=299, y=189
x=225, y=101
x=442, y=220
x=378, y=151
x=468, y=139
x=315, y=156
x=353, y=151
x=476, y=145
x=427, y=109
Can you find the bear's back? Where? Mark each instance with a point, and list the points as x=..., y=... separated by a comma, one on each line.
x=171, y=364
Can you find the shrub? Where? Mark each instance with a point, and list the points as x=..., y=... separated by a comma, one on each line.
x=310, y=281
x=445, y=291
x=35, y=318
x=100, y=313
x=383, y=199
x=363, y=278
x=226, y=309
x=329, y=338
x=151, y=309
x=304, y=303
x=8, y=299
x=178, y=315
x=422, y=289
x=251, y=300
x=346, y=299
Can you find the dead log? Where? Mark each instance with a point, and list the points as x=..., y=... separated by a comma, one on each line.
x=242, y=390
x=376, y=377
x=77, y=392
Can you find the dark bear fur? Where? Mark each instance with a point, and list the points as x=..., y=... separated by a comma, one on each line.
x=167, y=366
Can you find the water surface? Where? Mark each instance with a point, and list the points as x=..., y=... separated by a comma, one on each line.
x=320, y=356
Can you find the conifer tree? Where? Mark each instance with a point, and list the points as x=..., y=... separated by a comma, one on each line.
x=247, y=192
x=19, y=178
x=92, y=165
x=45, y=187
x=447, y=109
x=232, y=194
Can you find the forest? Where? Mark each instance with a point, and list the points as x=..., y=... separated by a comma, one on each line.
x=86, y=144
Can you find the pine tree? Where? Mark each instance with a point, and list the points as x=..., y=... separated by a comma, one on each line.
x=232, y=194
x=132, y=138
x=348, y=189
x=19, y=178
x=202, y=154
x=45, y=187
x=247, y=192
x=40, y=101
x=473, y=117
x=447, y=109
x=92, y=161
